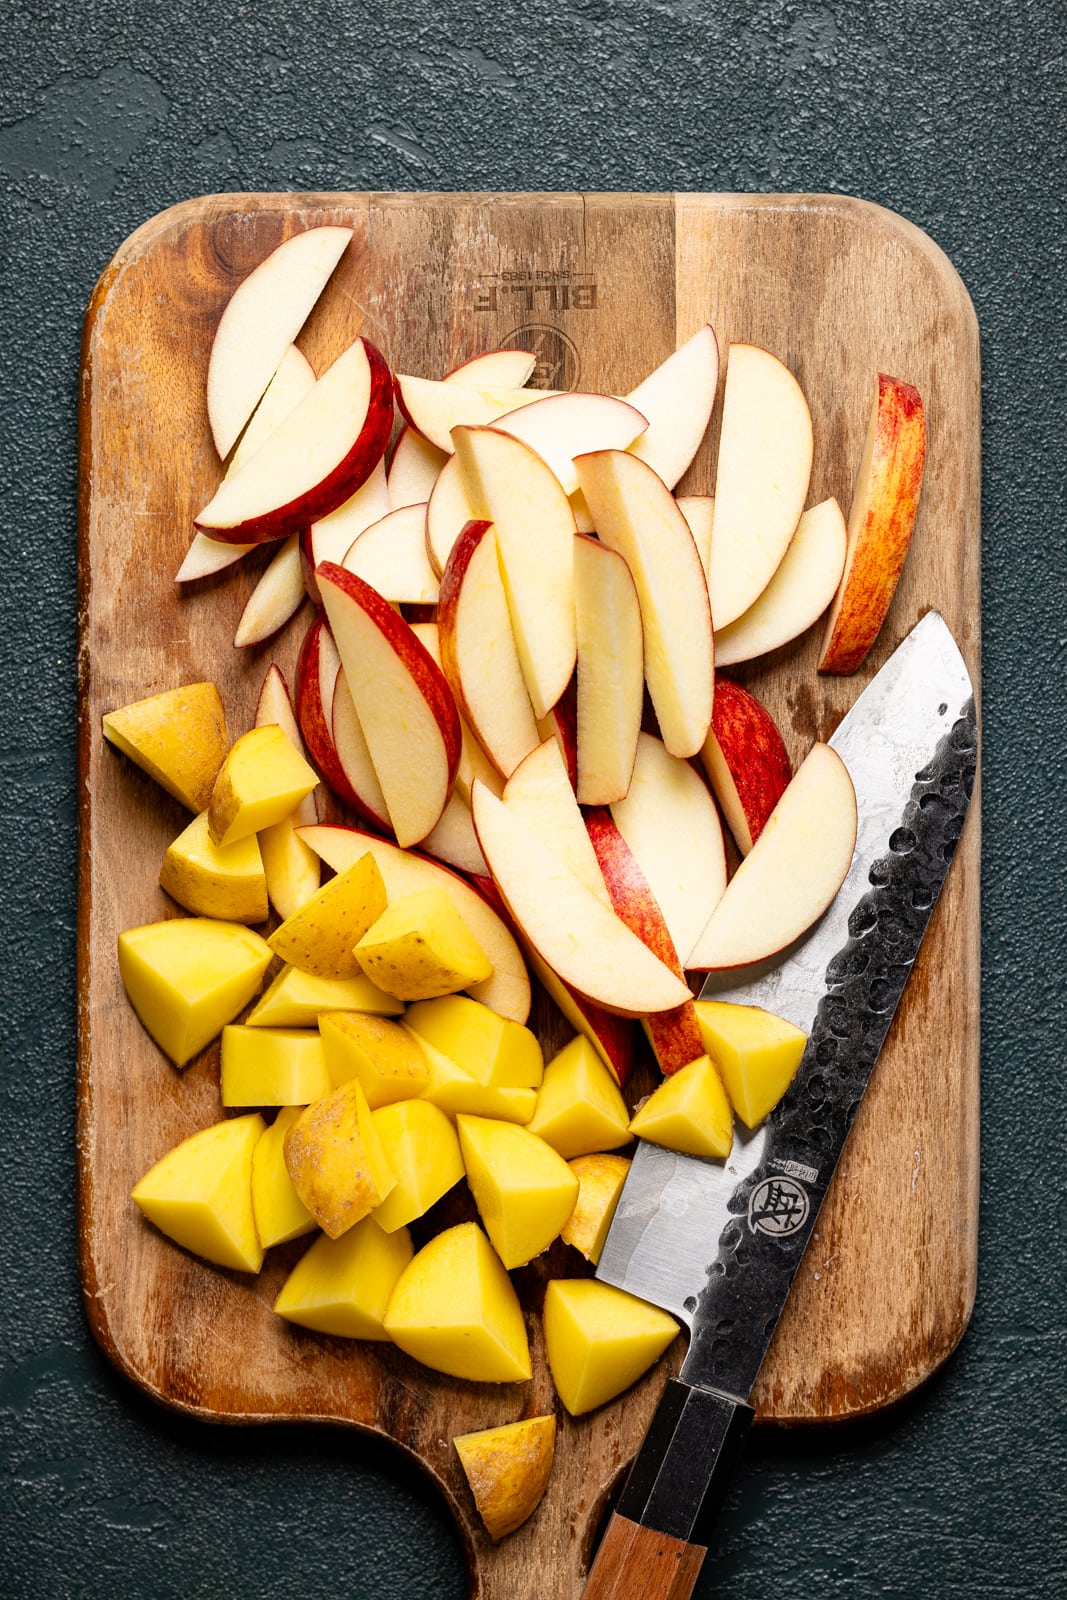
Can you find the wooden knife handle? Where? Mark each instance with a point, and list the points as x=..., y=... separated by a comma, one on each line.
x=657, y=1538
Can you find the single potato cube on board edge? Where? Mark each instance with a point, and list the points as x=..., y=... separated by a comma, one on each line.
x=213, y=880
x=178, y=737
x=272, y=1066
x=200, y=1194
x=599, y=1340
x=600, y=1180
x=320, y=937
x=343, y=1286
x=756, y=1053
x=262, y=780
x=380, y=1053
x=689, y=1112
x=295, y=999
x=508, y=1469
x=334, y=1155
x=279, y=1211
x=186, y=978
x=420, y=947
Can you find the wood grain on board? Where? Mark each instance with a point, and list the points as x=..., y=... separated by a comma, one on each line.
x=602, y=287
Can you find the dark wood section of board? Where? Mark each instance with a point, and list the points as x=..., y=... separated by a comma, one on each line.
x=602, y=287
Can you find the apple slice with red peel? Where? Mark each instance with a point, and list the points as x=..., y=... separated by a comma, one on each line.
x=678, y=399
x=573, y=931
x=611, y=683
x=562, y=426
x=669, y=821
x=614, y=1038
x=561, y=724
x=473, y=761
x=674, y=1035
x=391, y=556
x=407, y=872
x=637, y=516
x=797, y=595
x=454, y=840
x=405, y=706
x=793, y=871
x=259, y=323
x=478, y=651
x=291, y=867
x=494, y=369
x=277, y=596
x=414, y=468
x=539, y=793
x=511, y=486
x=331, y=538
x=434, y=408
x=354, y=757
x=316, y=679
x=448, y=510
x=314, y=460
x=764, y=465
x=746, y=761
x=880, y=524
x=699, y=510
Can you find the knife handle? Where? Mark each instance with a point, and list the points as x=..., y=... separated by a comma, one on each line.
x=657, y=1537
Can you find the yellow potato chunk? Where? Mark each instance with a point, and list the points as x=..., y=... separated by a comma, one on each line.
x=453, y=1089
x=272, y=1067
x=297, y=1000
x=279, y=1211
x=200, y=1194
x=334, y=1155
x=508, y=1469
x=689, y=1112
x=421, y=947
x=524, y=1191
x=756, y=1052
x=178, y=737
x=188, y=977
x=454, y=1309
x=599, y=1340
x=292, y=869
x=500, y=1053
x=211, y=880
x=263, y=778
x=421, y=1146
x=600, y=1181
x=386, y=1059
x=320, y=936
x=579, y=1107
x=343, y=1286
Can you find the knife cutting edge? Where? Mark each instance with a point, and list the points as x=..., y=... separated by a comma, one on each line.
x=718, y=1244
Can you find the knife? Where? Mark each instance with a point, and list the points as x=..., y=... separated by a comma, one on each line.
x=718, y=1244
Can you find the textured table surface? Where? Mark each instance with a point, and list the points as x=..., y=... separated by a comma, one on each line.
x=109, y=113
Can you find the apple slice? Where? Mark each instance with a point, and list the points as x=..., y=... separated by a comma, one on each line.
x=797, y=595
x=402, y=698
x=562, y=426
x=746, y=761
x=494, y=369
x=614, y=1038
x=473, y=761
x=435, y=408
x=331, y=537
x=454, y=840
x=316, y=678
x=573, y=931
x=314, y=460
x=407, y=872
x=765, y=449
x=669, y=821
x=353, y=755
x=511, y=486
x=611, y=683
x=637, y=516
x=448, y=510
x=539, y=793
x=478, y=651
x=678, y=399
x=792, y=872
x=277, y=596
x=561, y=724
x=675, y=1035
x=880, y=524
x=391, y=556
x=698, y=510
x=414, y=468
x=259, y=323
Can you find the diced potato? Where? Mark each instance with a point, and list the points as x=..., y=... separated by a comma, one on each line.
x=296, y=1000
x=421, y=1146
x=334, y=1155
x=421, y=947
x=756, y=1052
x=381, y=1054
x=262, y=780
x=292, y=869
x=226, y=881
x=508, y=1469
x=272, y=1067
x=524, y=1191
x=497, y=1051
x=178, y=737
x=279, y=1211
x=343, y=1286
x=188, y=977
x=599, y=1340
x=579, y=1107
x=454, y=1090
x=319, y=938
x=689, y=1112
x=455, y=1309
x=600, y=1180
x=200, y=1194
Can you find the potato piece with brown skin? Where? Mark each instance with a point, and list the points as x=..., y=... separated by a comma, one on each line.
x=319, y=938
x=178, y=737
x=508, y=1470
x=334, y=1155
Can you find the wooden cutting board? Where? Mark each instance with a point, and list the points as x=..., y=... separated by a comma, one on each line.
x=602, y=287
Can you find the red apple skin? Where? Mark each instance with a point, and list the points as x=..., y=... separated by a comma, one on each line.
x=315, y=727
x=880, y=524
x=754, y=753
x=357, y=465
x=674, y=1035
x=561, y=724
x=448, y=597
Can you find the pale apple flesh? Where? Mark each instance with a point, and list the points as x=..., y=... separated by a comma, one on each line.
x=448, y=510
x=473, y=761
x=331, y=537
x=391, y=556
x=561, y=426
x=316, y=676
x=797, y=595
x=434, y=408
x=354, y=757
x=610, y=693
x=678, y=399
x=746, y=761
x=278, y=595
x=414, y=468
x=539, y=792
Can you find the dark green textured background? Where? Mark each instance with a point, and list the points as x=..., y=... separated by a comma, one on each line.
x=111, y=110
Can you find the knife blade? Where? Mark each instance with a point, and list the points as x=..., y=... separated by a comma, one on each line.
x=718, y=1244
